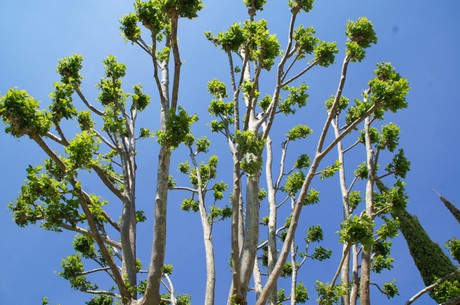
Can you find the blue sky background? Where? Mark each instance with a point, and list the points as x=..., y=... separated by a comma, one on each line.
x=420, y=38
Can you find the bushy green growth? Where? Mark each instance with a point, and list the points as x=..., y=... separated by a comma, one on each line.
x=454, y=248
x=144, y=133
x=294, y=183
x=301, y=293
x=139, y=98
x=357, y=230
x=446, y=291
x=298, y=132
x=218, y=189
x=389, y=137
x=305, y=41
x=321, y=254
x=389, y=229
x=168, y=269
x=21, y=115
x=261, y=194
x=81, y=150
x=101, y=300
x=342, y=105
x=388, y=88
x=261, y=46
x=303, y=161
x=330, y=170
x=361, y=35
x=230, y=41
x=374, y=135
x=177, y=128
x=217, y=88
x=61, y=105
x=256, y=5
x=328, y=296
x=297, y=5
x=314, y=234
x=190, y=204
x=287, y=270
x=72, y=271
x=140, y=216
x=129, y=28
x=84, y=245
x=381, y=262
x=325, y=53
x=362, y=172
x=251, y=145
x=357, y=111
x=312, y=197
x=297, y=97
x=69, y=69
x=390, y=289
x=84, y=120
x=354, y=199
x=202, y=145
x=399, y=165
x=265, y=102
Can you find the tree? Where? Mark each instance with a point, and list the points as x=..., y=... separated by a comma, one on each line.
x=246, y=113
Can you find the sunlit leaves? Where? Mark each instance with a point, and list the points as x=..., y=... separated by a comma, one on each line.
x=454, y=248
x=140, y=99
x=390, y=289
x=81, y=150
x=85, y=246
x=305, y=5
x=129, y=28
x=303, y=161
x=177, y=128
x=298, y=132
x=388, y=88
x=294, y=183
x=361, y=35
x=73, y=272
x=297, y=97
x=330, y=170
x=69, y=69
x=312, y=197
x=357, y=230
x=325, y=53
x=305, y=40
x=328, y=295
x=217, y=88
x=61, y=106
x=399, y=165
x=21, y=115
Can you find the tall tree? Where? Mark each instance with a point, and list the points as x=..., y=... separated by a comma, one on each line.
x=265, y=82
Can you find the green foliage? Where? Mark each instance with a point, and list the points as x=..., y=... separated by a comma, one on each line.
x=140, y=216
x=84, y=120
x=219, y=188
x=262, y=47
x=301, y=293
x=321, y=254
x=232, y=40
x=343, y=104
x=181, y=299
x=380, y=263
x=399, y=165
x=294, y=183
x=251, y=145
x=84, y=245
x=330, y=170
x=297, y=97
x=305, y=5
x=314, y=234
x=255, y=5
x=21, y=115
x=357, y=230
x=81, y=150
x=298, y=132
x=454, y=248
x=149, y=14
x=262, y=194
x=328, y=295
x=354, y=199
x=390, y=289
x=287, y=270
x=61, y=106
x=388, y=88
x=325, y=53
x=177, y=128
x=361, y=35
x=389, y=229
x=305, y=40
x=303, y=161
x=129, y=28
x=69, y=69
x=72, y=271
x=389, y=137
x=140, y=99
x=45, y=199
x=446, y=291
x=101, y=300
x=168, y=269
x=312, y=197
x=217, y=88
x=362, y=172
x=190, y=204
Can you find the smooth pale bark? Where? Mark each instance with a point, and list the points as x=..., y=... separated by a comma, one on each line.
x=152, y=293
x=366, y=255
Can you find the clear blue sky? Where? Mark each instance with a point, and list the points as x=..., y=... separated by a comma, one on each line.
x=420, y=38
